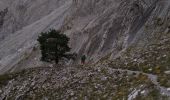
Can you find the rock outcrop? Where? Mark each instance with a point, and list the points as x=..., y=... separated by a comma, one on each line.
x=97, y=28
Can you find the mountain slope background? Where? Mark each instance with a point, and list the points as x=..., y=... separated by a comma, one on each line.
x=126, y=43
x=96, y=28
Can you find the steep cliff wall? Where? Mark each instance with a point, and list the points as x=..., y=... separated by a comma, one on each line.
x=96, y=27
x=101, y=27
x=22, y=13
x=20, y=39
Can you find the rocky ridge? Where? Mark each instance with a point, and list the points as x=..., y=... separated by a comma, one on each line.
x=79, y=82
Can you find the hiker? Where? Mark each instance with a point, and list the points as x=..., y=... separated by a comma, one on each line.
x=83, y=59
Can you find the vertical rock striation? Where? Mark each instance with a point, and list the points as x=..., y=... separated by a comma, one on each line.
x=96, y=27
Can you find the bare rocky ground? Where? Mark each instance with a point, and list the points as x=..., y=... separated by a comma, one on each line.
x=81, y=82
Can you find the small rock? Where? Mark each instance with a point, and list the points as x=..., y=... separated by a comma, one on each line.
x=150, y=69
x=104, y=78
x=135, y=60
x=45, y=98
x=72, y=93
x=168, y=89
x=33, y=83
x=142, y=92
x=167, y=72
x=164, y=55
x=99, y=70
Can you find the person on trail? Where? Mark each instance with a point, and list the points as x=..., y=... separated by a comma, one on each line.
x=83, y=59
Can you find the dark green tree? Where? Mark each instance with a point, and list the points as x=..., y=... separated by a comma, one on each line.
x=54, y=46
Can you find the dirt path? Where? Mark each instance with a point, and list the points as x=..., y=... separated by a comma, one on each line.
x=152, y=77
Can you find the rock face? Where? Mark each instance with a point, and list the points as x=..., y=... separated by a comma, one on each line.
x=127, y=43
x=21, y=27
x=96, y=27
x=2, y=5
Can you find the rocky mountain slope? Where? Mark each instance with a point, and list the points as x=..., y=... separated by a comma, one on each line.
x=126, y=43
x=20, y=29
x=96, y=28
x=79, y=82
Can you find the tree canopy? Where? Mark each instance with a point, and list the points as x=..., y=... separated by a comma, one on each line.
x=54, y=46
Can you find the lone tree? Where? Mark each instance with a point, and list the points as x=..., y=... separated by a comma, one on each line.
x=54, y=46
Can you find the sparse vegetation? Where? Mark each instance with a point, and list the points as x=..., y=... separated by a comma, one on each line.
x=164, y=80
x=88, y=83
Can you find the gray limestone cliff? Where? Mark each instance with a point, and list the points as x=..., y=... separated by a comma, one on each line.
x=96, y=27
